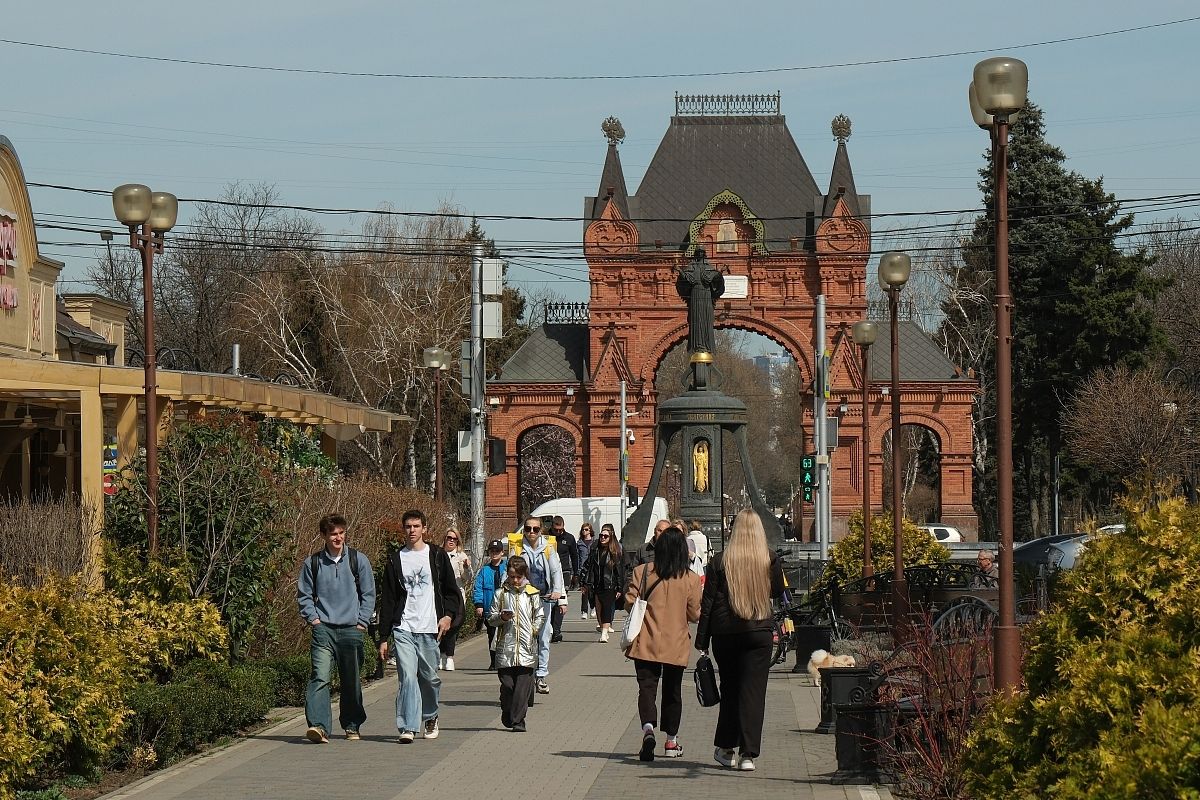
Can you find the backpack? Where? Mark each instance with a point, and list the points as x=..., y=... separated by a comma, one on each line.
x=314, y=564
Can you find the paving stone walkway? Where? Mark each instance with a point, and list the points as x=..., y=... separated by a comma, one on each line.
x=582, y=745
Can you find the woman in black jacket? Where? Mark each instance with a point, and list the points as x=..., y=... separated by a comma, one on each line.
x=735, y=617
x=604, y=577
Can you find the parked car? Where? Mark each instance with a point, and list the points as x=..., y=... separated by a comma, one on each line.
x=1063, y=555
x=943, y=533
x=1037, y=551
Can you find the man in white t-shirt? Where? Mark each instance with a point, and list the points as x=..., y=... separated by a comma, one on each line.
x=418, y=599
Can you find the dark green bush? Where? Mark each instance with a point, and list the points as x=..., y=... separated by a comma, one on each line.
x=204, y=702
x=290, y=675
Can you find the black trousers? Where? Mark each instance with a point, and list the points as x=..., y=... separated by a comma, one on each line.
x=516, y=687
x=447, y=642
x=743, y=663
x=648, y=675
x=585, y=600
x=556, y=619
x=606, y=603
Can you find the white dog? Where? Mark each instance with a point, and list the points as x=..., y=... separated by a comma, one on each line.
x=822, y=658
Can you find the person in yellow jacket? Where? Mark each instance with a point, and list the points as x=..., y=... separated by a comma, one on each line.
x=519, y=616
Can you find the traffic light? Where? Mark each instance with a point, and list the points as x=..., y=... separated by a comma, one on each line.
x=808, y=477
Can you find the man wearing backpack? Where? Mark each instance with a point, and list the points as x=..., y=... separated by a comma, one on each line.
x=336, y=595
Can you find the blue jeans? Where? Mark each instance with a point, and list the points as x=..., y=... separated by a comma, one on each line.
x=543, y=667
x=417, y=658
x=343, y=644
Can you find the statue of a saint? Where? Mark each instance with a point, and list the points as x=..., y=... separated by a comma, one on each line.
x=700, y=284
x=700, y=467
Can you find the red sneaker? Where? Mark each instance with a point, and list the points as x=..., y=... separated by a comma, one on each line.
x=672, y=749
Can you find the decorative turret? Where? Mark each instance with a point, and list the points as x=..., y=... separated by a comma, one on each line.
x=841, y=179
x=612, y=179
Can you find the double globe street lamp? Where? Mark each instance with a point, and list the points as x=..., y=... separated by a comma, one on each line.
x=996, y=94
x=148, y=215
x=438, y=360
x=894, y=269
x=863, y=334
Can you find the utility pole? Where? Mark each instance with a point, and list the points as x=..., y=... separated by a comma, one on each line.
x=478, y=434
x=821, y=517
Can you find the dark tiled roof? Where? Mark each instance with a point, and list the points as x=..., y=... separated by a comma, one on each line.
x=755, y=157
x=841, y=177
x=551, y=354
x=920, y=357
x=85, y=339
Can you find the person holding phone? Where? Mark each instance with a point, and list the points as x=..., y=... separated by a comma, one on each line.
x=419, y=598
x=518, y=615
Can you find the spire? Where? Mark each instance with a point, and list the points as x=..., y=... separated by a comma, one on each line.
x=612, y=179
x=841, y=180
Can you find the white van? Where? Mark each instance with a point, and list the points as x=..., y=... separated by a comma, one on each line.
x=596, y=510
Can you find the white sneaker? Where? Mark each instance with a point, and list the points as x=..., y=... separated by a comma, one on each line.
x=449, y=665
x=592, y=614
x=725, y=758
x=747, y=764
x=583, y=615
x=604, y=635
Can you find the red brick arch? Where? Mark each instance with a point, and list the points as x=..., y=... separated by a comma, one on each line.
x=666, y=341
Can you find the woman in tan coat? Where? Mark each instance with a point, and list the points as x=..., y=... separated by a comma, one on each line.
x=661, y=649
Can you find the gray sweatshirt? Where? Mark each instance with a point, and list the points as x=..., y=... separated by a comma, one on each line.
x=337, y=601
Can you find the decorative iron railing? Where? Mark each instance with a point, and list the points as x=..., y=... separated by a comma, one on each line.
x=566, y=314
x=878, y=310
x=726, y=104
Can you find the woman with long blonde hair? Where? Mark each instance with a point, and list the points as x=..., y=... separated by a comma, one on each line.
x=735, y=618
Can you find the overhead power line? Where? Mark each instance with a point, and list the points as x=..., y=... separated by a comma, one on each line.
x=645, y=76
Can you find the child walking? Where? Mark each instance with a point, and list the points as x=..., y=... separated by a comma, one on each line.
x=518, y=614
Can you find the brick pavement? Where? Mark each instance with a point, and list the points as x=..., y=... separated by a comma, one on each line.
x=582, y=744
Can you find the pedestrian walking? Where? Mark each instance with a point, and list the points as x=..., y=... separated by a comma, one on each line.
x=518, y=615
x=418, y=601
x=587, y=537
x=735, y=618
x=660, y=650
x=461, y=561
x=604, y=578
x=697, y=537
x=568, y=555
x=545, y=573
x=487, y=582
x=336, y=595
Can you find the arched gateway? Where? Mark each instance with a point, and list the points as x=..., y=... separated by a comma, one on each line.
x=727, y=177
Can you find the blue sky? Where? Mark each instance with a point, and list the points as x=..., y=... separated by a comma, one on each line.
x=1124, y=107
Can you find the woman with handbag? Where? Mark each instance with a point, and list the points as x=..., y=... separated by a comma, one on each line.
x=602, y=577
x=464, y=578
x=671, y=596
x=735, y=617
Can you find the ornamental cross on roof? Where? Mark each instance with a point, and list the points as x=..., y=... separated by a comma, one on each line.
x=613, y=129
x=841, y=128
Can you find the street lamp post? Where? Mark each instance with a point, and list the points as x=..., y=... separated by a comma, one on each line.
x=894, y=269
x=864, y=336
x=148, y=215
x=438, y=360
x=998, y=91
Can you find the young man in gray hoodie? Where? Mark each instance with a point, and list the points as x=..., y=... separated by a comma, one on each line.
x=337, y=598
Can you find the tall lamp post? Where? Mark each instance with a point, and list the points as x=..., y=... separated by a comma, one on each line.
x=863, y=333
x=998, y=91
x=438, y=360
x=894, y=269
x=148, y=215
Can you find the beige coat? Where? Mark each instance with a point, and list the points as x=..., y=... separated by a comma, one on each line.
x=665, y=635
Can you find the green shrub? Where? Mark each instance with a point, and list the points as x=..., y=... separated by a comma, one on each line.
x=64, y=680
x=1111, y=707
x=845, y=558
x=206, y=701
x=290, y=678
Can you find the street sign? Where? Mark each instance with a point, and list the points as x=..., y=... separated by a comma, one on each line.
x=808, y=477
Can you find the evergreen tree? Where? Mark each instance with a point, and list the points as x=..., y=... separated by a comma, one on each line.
x=1080, y=302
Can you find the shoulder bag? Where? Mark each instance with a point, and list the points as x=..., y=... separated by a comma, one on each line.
x=707, y=691
x=637, y=612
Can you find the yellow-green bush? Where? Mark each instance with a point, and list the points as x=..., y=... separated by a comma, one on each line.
x=1111, y=706
x=68, y=657
x=845, y=558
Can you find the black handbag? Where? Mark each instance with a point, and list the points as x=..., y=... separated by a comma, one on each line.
x=707, y=691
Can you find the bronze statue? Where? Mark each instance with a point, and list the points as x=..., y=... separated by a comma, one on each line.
x=700, y=284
